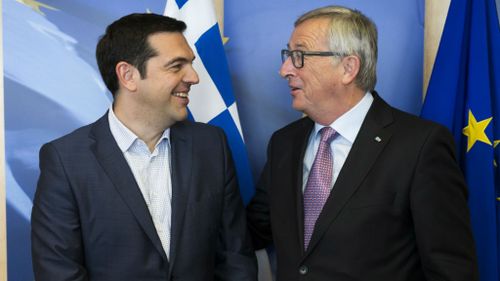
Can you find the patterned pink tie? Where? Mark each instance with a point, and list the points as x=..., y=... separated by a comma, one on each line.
x=318, y=184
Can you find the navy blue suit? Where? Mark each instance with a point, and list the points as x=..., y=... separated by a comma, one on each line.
x=398, y=209
x=90, y=221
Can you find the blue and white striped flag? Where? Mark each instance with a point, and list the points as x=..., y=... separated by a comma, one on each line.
x=212, y=101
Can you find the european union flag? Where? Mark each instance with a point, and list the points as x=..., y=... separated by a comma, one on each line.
x=212, y=101
x=464, y=95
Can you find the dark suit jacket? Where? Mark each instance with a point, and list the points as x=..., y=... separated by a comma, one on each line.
x=90, y=221
x=397, y=211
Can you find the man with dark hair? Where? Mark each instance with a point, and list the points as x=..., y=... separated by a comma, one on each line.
x=357, y=190
x=141, y=194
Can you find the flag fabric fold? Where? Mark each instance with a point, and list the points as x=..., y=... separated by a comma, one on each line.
x=212, y=101
x=464, y=95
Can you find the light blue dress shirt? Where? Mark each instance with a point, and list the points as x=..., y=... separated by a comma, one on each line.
x=347, y=127
x=152, y=173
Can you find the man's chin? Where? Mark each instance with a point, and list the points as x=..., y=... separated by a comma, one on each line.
x=182, y=115
x=178, y=116
x=297, y=106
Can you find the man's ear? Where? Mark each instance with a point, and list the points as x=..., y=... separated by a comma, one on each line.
x=351, y=66
x=126, y=75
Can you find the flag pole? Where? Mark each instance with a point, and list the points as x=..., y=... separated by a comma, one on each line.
x=435, y=16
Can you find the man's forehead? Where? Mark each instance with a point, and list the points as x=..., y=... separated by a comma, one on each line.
x=168, y=41
x=310, y=33
x=166, y=36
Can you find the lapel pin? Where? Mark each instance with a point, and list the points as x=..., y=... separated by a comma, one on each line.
x=378, y=139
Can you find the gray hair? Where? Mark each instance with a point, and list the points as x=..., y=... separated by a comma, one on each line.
x=351, y=33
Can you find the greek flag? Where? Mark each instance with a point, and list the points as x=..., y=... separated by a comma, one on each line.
x=212, y=101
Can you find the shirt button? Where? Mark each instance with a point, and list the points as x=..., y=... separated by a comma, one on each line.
x=303, y=270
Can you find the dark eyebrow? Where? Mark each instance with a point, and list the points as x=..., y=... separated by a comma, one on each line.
x=178, y=60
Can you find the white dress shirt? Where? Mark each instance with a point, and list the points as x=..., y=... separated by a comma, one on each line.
x=152, y=173
x=347, y=127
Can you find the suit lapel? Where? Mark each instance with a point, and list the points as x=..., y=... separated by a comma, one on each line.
x=115, y=165
x=372, y=138
x=182, y=165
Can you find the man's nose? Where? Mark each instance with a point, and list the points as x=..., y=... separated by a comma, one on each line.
x=191, y=76
x=287, y=69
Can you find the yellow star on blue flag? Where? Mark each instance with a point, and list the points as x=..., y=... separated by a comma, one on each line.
x=475, y=131
x=35, y=5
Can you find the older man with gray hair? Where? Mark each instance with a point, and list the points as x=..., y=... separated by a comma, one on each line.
x=357, y=190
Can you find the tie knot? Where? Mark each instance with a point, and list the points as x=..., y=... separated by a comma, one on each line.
x=327, y=134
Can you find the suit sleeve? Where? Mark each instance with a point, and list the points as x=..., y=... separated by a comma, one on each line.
x=258, y=215
x=440, y=212
x=56, y=240
x=235, y=255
